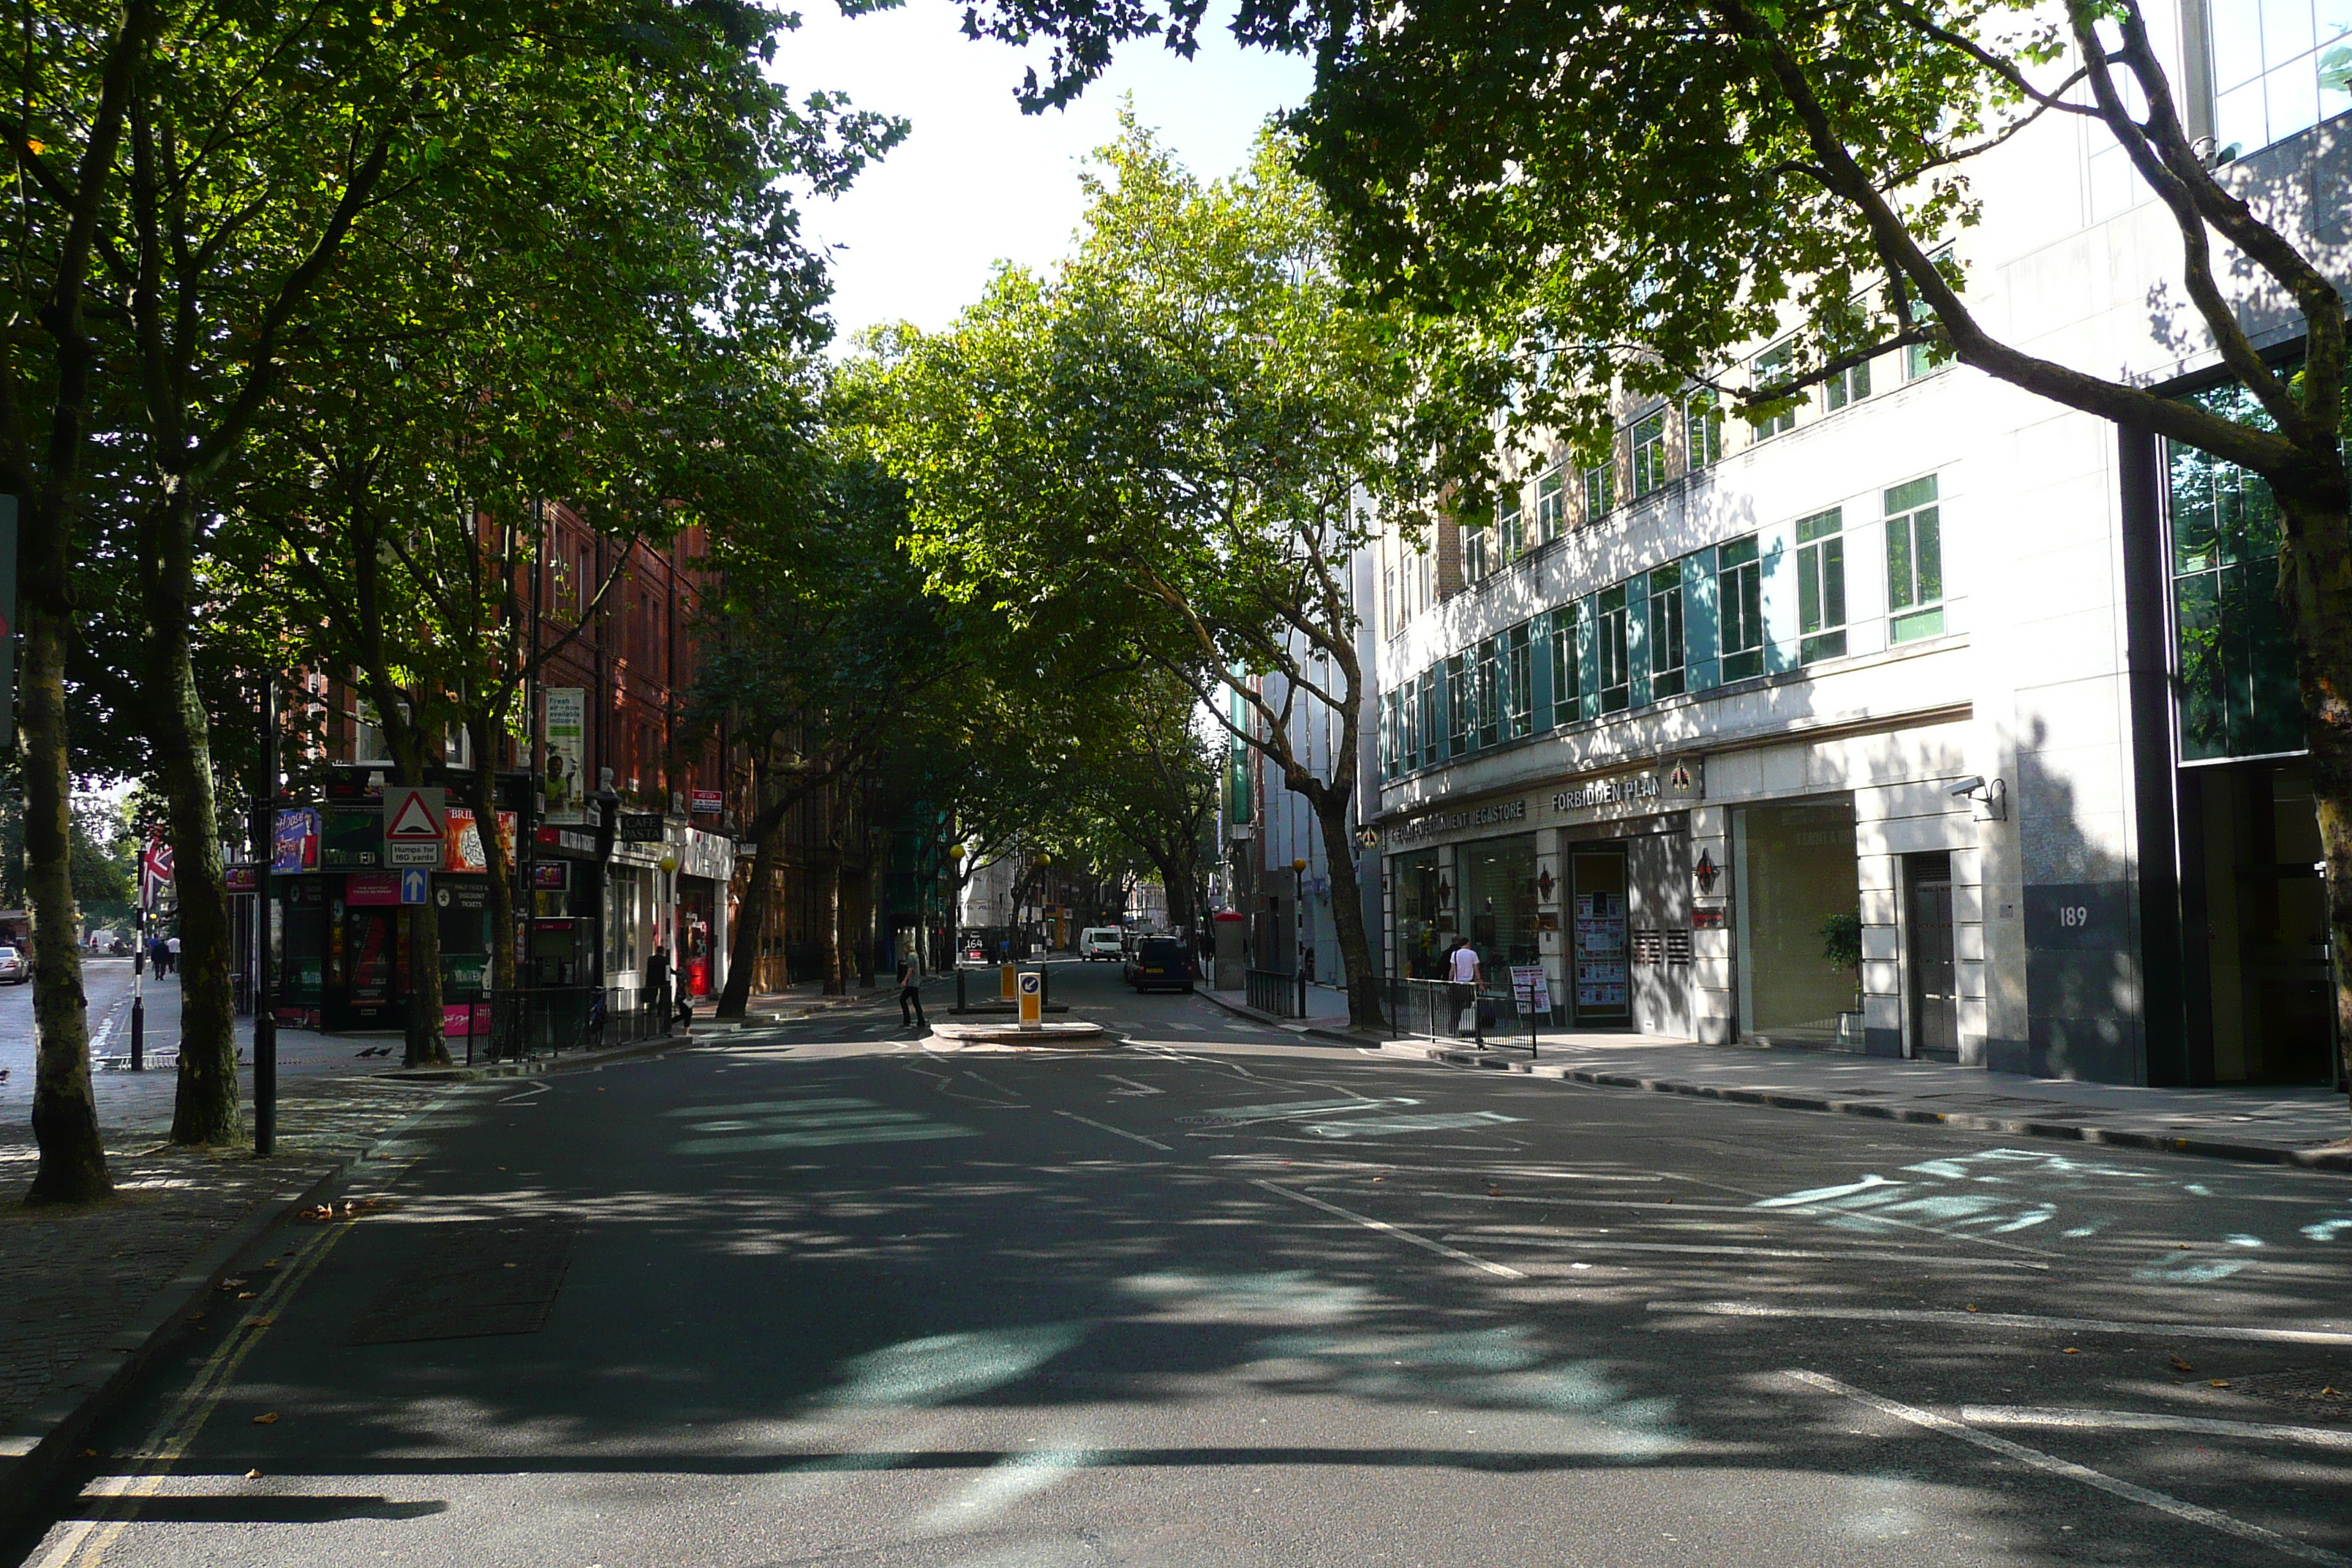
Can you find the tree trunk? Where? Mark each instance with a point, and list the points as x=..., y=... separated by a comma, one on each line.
x=751, y=926
x=425, y=1045
x=1347, y=912
x=834, y=984
x=65, y=1116
x=2315, y=599
x=205, y=1109
x=862, y=921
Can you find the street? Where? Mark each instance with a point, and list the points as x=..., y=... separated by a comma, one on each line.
x=820, y=1295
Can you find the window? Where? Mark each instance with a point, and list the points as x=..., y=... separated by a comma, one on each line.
x=1914, y=561
x=1773, y=365
x=1821, y=586
x=1616, y=671
x=1510, y=533
x=1702, y=430
x=1391, y=734
x=1600, y=491
x=1567, y=664
x=1650, y=453
x=1518, y=684
x=1924, y=359
x=1457, y=706
x=1477, y=541
x=368, y=743
x=457, y=746
x=1388, y=598
x=1667, y=630
x=2274, y=73
x=1487, y=696
x=1426, y=727
x=1739, y=592
x=2238, y=692
x=1851, y=385
x=1552, y=504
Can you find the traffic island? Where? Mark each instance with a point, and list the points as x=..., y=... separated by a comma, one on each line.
x=1068, y=1034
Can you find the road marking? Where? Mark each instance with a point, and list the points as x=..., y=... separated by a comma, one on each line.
x=1384, y=1227
x=1789, y=1252
x=2141, y=1421
x=2008, y=1321
x=2051, y=1464
x=1132, y=1087
x=1117, y=1131
x=1750, y=1210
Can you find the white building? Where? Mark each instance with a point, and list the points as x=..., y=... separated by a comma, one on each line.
x=1914, y=656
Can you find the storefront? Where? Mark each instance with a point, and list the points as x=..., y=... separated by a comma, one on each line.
x=706, y=861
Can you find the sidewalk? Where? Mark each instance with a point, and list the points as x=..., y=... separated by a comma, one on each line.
x=2274, y=1124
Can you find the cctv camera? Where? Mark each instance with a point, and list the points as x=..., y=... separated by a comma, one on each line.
x=1969, y=785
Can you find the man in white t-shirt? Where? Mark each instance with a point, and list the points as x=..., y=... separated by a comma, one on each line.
x=1462, y=974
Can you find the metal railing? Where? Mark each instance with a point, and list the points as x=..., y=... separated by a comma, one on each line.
x=548, y=1020
x=1441, y=1010
x=1284, y=996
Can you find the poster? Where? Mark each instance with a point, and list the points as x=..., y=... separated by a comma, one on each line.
x=466, y=851
x=295, y=847
x=567, y=724
x=1529, y=989
x=1601, y=980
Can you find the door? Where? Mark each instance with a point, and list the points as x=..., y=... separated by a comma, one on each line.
x=1596, y=877
x=1935, y=992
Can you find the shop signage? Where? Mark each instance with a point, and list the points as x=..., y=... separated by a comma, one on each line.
x=551, y=876
x=641, y=828
x=1706, y=920
x=241, y=878
x=372, y=889
x=568, y=841
x=567, y=726
x=462, y=895
x=710, y=802
x=351, y=840
x=2077, y=916
x=1436, y=822
x=1623, y=789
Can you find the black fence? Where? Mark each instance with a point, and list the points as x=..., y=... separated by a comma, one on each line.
x=548, y=1020
x=1281, y=995
x=1440, y=1010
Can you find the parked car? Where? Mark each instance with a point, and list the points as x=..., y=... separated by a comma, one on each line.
x=1100, y=941
x=1161, y=964
x=14, y=968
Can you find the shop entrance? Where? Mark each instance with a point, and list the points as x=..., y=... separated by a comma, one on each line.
x=1498, y=899
x=1597, y=884
x=2256, y=853
x=1413, y=878
x=1935, y=995
x=1793, y=884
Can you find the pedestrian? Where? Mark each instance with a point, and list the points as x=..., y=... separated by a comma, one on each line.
x=911, y=994
x=172, y=951
x=657, y=984
x=1462, y=974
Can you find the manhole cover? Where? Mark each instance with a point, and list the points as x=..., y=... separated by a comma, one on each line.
x=2315, y=1393
x=476, y=1277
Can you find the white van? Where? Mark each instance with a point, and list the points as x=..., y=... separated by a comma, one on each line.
x=1099, y=941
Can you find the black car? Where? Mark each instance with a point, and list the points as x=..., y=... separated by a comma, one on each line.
x=1160, y=963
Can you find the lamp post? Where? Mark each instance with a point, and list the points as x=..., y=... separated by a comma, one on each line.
x=264, y=1006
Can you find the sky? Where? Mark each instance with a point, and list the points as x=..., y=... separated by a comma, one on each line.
x=976, y=181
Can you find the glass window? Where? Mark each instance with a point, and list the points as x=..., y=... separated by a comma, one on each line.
x=1772, y=366
x=1487, y=697
x=1820, y=586
x=1667, y=630
x=1477, y=551
x=1518, y=684
x=1740, y=594
x=1552, y=504
x=1849, y=386
x=1457, y=706
x=1391, y=734
x=2239, y=696
x=1600, y=491
x=1509, y=528
x=1650, y=453
x=1914, y=561
x=2280, y=66
x=1702, y=430
x=1426, y=727
x=1616, y=671
x=1567, y=664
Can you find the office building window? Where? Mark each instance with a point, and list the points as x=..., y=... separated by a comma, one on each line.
x=1391, y=734
x=1616, y=669
x=1773, y=365
x=1457, y=706
x=2279, y=67
x=1650, y=453
x=1914, y=561
x=1566, y=665
x=1600, y=491
x=1851, y=385
x=1518, y=684
x=1702, y=430
x=1740, y=594
x=1428, y=727
x=1552, y=504
x=1821, y=586
x=2238, y=692
x=1510, y=538
x=1388, y=598
x=1487, y=696
x=1667, y=630
x=1477, y=551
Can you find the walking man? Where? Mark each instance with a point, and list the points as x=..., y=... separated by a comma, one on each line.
x=1462, y=974
x=910, y=992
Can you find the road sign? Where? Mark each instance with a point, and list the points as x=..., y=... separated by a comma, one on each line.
x=1033, y=998
x=412, y=885
x=1005, y=979
x=415, y=822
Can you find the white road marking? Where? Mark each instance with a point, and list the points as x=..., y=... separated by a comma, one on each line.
x=1132, y=1087
x=2051, y=1464
x=2144, y=1421
x=1589, y=1244
x=1118, y=1132
x=2157, y=1330
x=1386, y=1228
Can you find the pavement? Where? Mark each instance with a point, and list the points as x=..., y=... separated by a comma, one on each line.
x=825, y=1292
x=2289, y=1124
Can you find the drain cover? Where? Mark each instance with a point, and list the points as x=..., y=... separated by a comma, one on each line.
x=477, y=1278
x=2315, y=1393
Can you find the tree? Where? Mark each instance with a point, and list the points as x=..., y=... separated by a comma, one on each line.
x=1162, y=451
x=1576, y=196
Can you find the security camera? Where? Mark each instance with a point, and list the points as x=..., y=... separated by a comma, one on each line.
x=1967, y=786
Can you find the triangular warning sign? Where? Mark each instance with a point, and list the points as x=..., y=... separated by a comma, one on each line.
x=412, y=819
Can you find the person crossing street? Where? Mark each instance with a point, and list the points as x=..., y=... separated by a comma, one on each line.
x=910, y=992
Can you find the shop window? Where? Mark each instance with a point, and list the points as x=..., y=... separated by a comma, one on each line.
x=1487, y=695
x=1600, y=491
x=1552, y=504
x=1458, y=705
x=1518, y=684
x=1650, y=453
x=1666, y=628
x=1773, y=366
x=2238, y=692
x=1702, y=430
x=1914, y=561
x=1567, y=663
x=1793, y=874
x=1739, y=595
x=1616, y=668
x=1821, y=586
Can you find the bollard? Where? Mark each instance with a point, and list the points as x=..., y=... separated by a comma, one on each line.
x=959, y=1004
x=139, y=1034
x=1302, y=995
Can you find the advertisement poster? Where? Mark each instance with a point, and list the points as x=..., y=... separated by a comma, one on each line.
x=1600, y=974
x=297, y=845
x=1530, y=989
x=465, y=851
x=567, y=727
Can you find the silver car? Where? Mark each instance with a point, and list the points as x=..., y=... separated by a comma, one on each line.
x=15, y=968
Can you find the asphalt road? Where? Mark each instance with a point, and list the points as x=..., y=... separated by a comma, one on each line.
x=1223, y=1298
